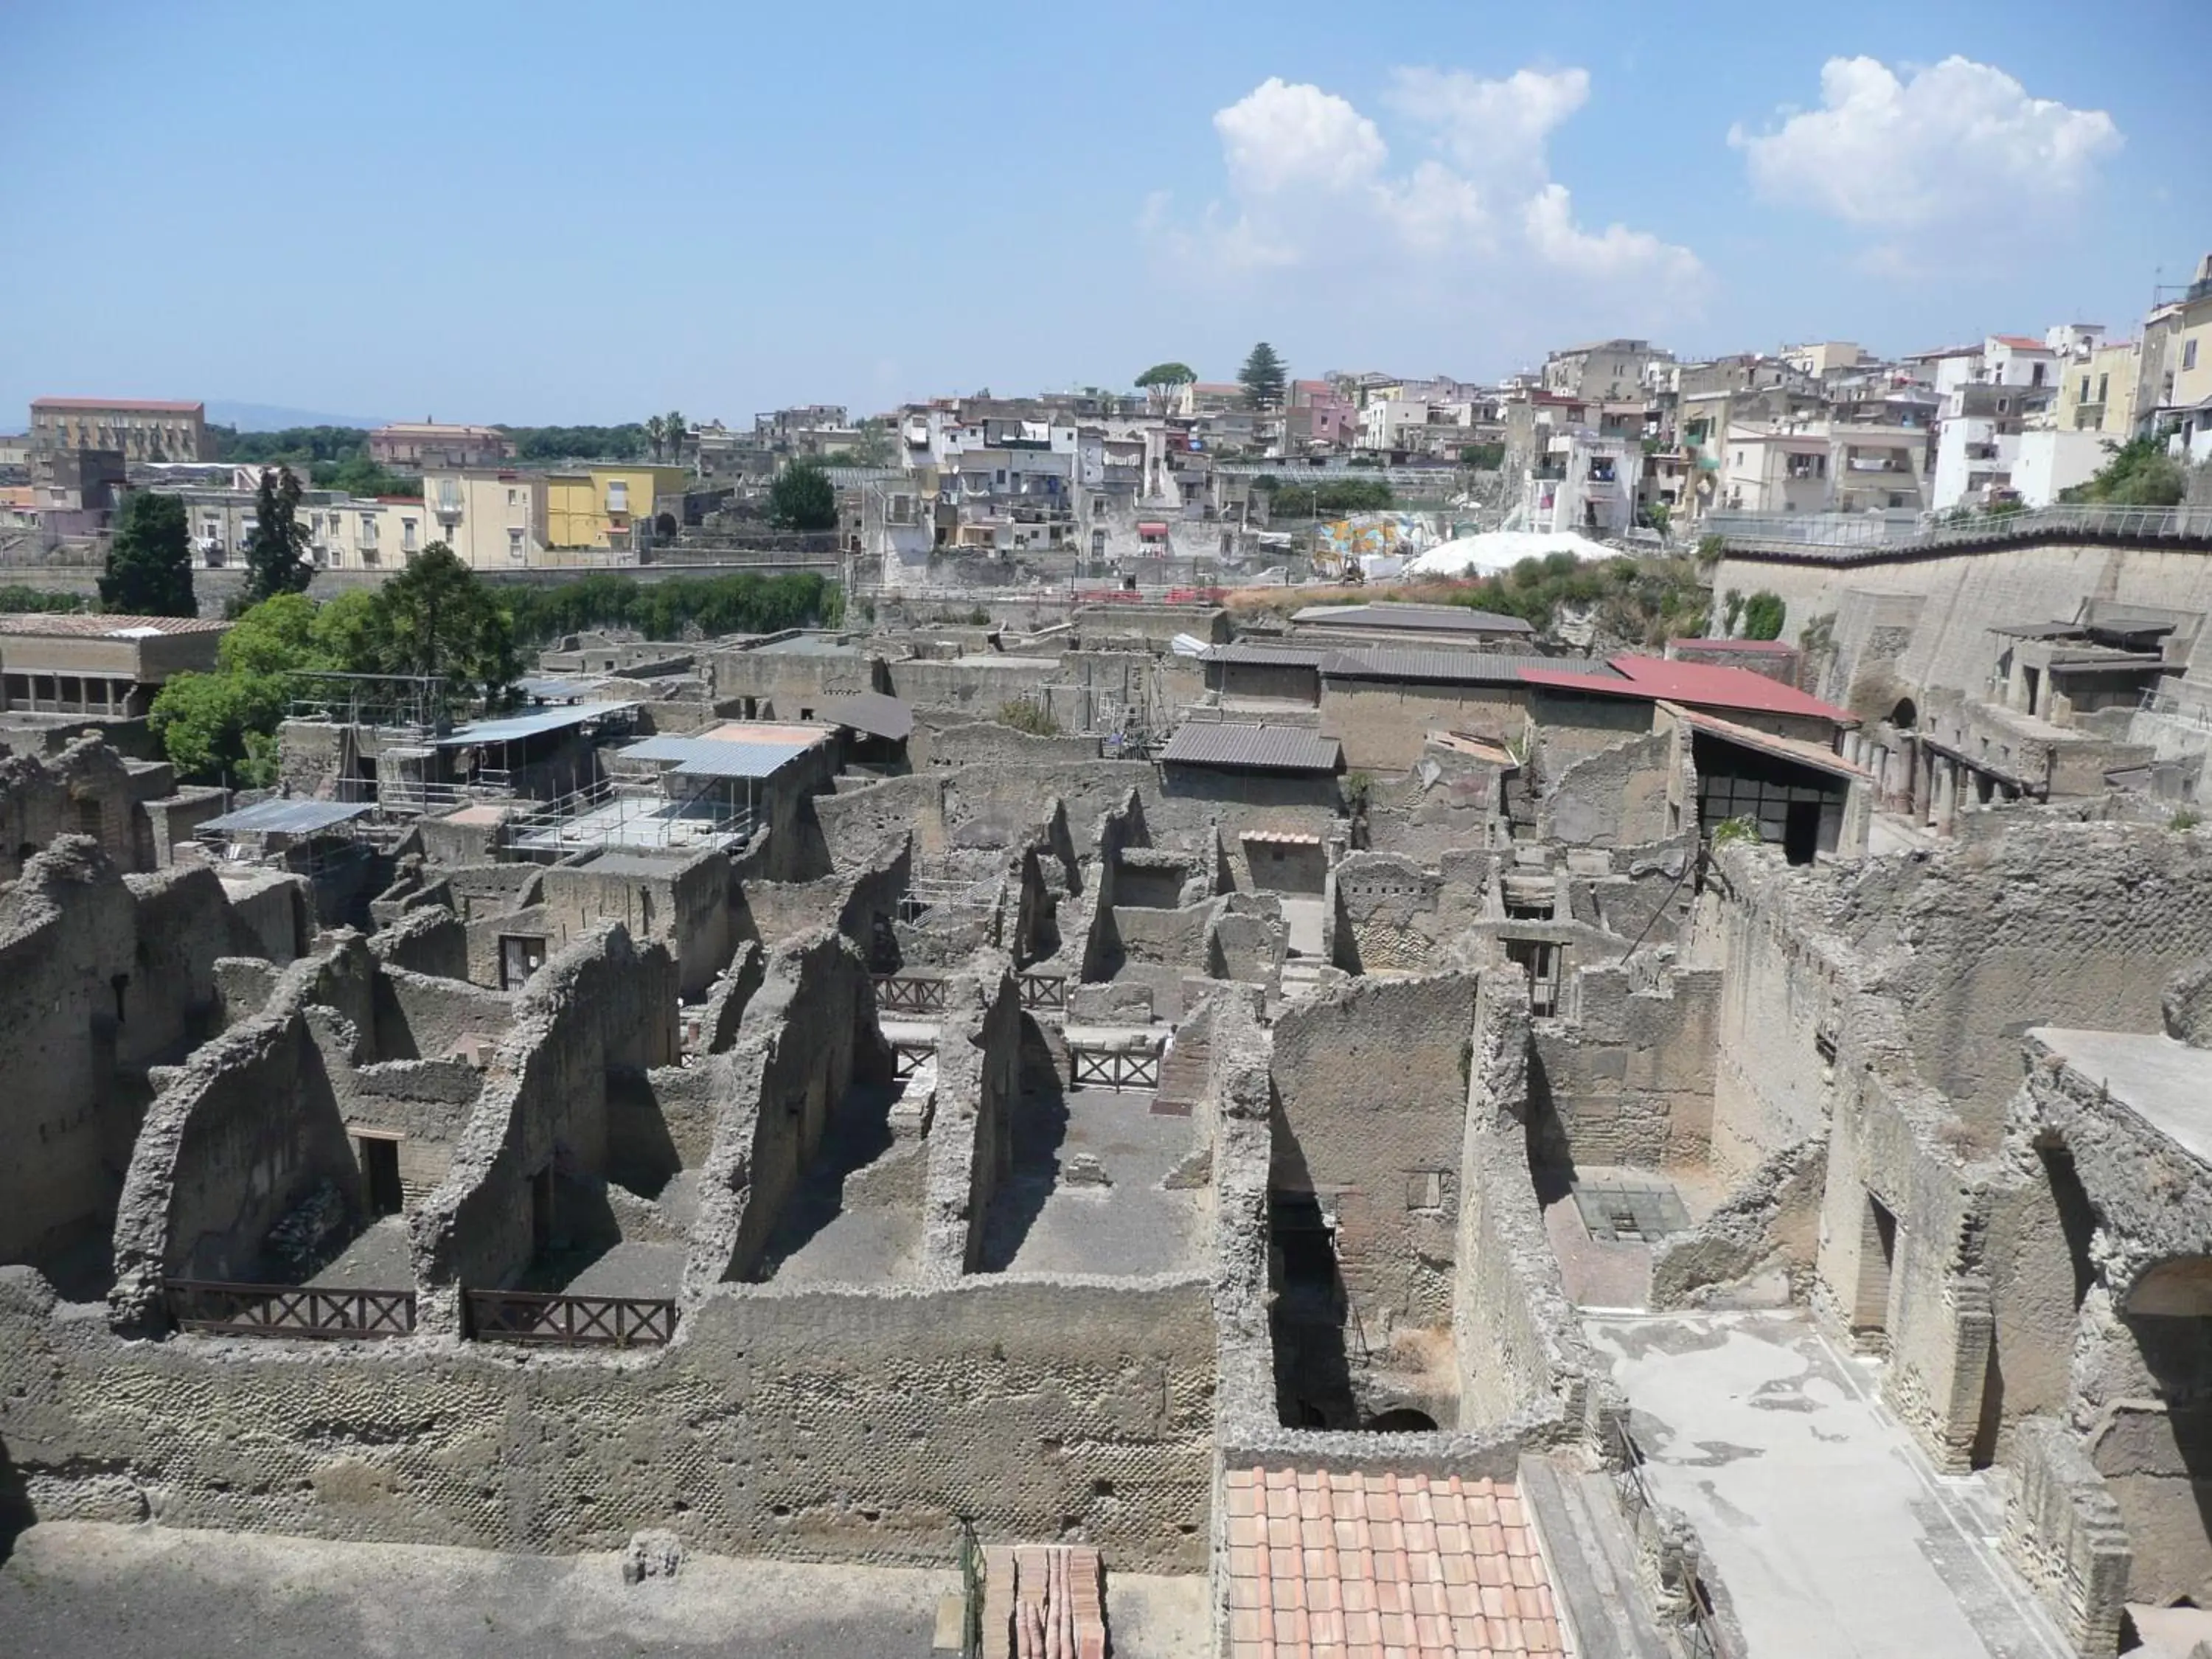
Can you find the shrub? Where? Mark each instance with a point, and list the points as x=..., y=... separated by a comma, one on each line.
x=1033, y=718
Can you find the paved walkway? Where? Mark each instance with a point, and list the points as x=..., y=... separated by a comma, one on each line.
x=1830, y=1534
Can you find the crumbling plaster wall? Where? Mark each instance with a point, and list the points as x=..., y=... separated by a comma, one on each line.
x=1617, y=797
x=85, y=790
x=684, y=905
x=979, y=1092
x=1371, y=1081
x=1394, y=916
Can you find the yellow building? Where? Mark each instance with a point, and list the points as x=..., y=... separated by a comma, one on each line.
x=2096, y=391
x=617, y=506
x=493, y=518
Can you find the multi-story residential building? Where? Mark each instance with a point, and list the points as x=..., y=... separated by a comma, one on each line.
x=1823, y=466
x=139, y=429
x=371, y=534
x=1319, y=417
x=1824, y=358
x=1582, y=480
x=418, y=446
x=1978, y=444
x=2097, y=389
x=15, y=449
x=2175, y=392
x=784, y=430
x=621, y=506
x=494, y=518
x=1614, y=370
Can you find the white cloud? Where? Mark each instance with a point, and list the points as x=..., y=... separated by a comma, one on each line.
x=1311, y=184
x=1959, y=144
x=1280, y=136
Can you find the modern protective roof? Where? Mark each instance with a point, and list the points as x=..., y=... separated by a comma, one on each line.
x=874, y=713
x=1703, y=685
x=512, y=728
x=1435, y=619
x=1258, y=748
x=1789, y=749
x=1453, y=667
x=1749, y=648
x=287, y=817
x=553, y=691
x=711, y=757
x=85, y=625
x=1276, y=656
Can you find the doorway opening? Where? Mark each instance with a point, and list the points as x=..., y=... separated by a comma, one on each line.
x=379, y=1171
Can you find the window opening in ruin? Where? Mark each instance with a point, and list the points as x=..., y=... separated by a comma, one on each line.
x=2077, y=1217
x=519, y=958
x=1403, y=1420
x=1800, y=832
x=1540, y=959
x=1425, y=1190
x=1305, y=1241
x=1877, y=1261
x=379, y=1170
x=1905, y=716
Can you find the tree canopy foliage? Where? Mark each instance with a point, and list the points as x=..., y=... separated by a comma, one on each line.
x=1263, y=378
x=149, y=559
x=300, y=445
x=803, y=498
x=2139, y=474
x=277, y=547
x=16, y=599
x=1166, y=375
x=1763, y=615
x=360, y=476
x=1298, y=501
x=1639, y=601
x=626, y=442
x=742, y=604
x=435, y=617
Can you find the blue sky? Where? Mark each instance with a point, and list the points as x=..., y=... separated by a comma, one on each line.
x=555, y=213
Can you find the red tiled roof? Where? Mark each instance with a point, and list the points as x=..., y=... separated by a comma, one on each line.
x=90, y=625
x=146, y=405
x=1701, y=685
x=1362, y=1564
x=2022, y=342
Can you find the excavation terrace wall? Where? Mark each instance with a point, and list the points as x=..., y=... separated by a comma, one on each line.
x=1629, y=1078
x=819, y=1424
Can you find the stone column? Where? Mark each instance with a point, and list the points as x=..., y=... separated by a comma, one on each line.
x=1946, y=796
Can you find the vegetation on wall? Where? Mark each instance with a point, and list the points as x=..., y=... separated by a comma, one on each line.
x=149, y=559
x=626, y=442
x=15, y=599
x=1031, y=717
x=1296, y=500
x=1763, y=615
x=2139, y=474
x=1641, y=601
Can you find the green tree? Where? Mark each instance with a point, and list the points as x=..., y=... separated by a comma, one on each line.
x=2139, y=474
x=1763, y=614
x=149, y=560
x=273, y=638
x=220, y=728
x=436, y=616
x=344, y=633
x=656, y=434
x=357, y=475
x=803, y=498
x=676, y=429
x=872, y=448
x=1162, y=381
x=277, y=547
x=1263, y=378
x=1482, y=456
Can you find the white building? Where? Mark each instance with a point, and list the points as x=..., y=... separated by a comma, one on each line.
x=1583, y=481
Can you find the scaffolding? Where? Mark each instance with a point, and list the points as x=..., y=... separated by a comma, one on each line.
x=631, y=813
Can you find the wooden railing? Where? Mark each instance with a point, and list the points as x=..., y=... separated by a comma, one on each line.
x=1043, y=990
x=1115, y=1068
x=620, y=1322
x=908, y=1053
x=899, y=992
x=217, y=1309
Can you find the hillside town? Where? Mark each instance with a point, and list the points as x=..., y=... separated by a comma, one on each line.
x=1274, y=1010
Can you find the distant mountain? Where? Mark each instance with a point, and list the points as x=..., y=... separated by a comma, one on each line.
x=275, y=417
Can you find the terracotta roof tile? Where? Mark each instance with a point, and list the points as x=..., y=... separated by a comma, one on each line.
x=1375, y=1564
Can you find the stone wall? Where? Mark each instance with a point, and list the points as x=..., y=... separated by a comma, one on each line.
x=681, y=903
x=980, y=1046
x=1371, y=1081
x=1395, y=916
x=1629, y=1078
x=1383, y=726
x=1617, y=797
x=821, y=1424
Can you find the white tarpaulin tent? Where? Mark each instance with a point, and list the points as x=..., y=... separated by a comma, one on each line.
x=1501, y=550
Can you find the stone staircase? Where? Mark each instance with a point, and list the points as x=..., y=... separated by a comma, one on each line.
x=1183, y=1072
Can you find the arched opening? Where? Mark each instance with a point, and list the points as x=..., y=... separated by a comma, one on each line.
x=2157, y=1452
x=665, y=526
x=1905, y=715
x=1404, y=1421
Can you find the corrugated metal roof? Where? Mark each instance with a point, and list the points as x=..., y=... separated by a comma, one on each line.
x=1447, y=667
x=1789, y=749
x=1703, y=685
x=552, y=691
x=1434, y=618
x=510, y=728
x=1276, y=656
x=1259, y=747
x=875, y=712
x=709, y=757
x=287, y=817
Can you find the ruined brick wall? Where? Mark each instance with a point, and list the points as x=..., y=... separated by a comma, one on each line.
x=1383, y=725
x=1371, y=1083
x=1393, y=915
x=971, y=1140
x=685, y=906
x=820, y=1425
x=1629, y=1077
x=85, y=790
x=425, y=1016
